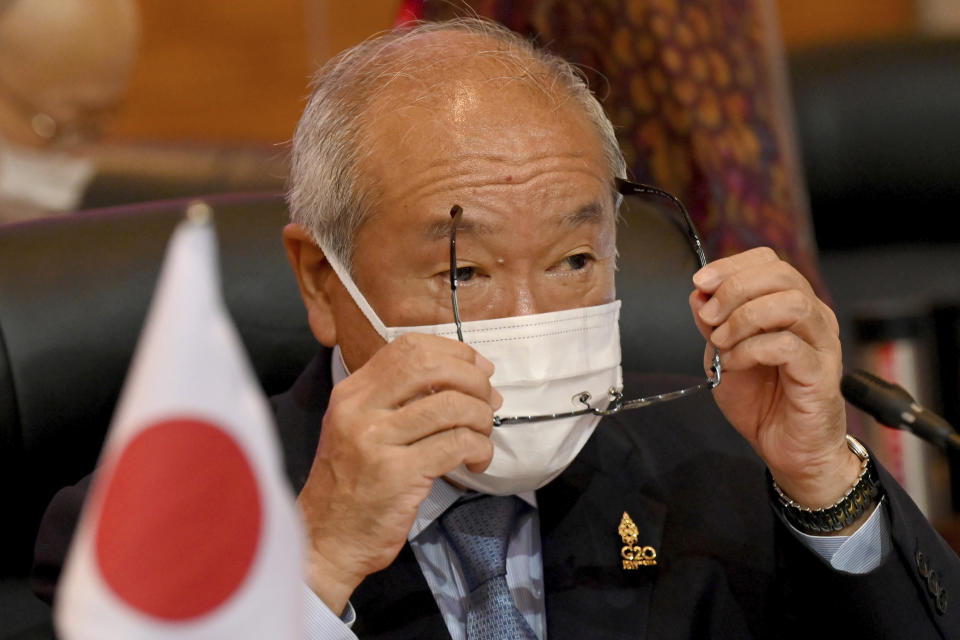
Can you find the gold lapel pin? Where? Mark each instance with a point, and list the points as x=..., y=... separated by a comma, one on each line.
x=633, y=555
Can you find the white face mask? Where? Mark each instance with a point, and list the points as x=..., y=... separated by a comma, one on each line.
x=49, y=180
x=542, y=364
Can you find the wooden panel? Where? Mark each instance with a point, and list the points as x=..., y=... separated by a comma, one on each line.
x=809, y=22
x=211, y=71
x=216, y=71
x=351, y=22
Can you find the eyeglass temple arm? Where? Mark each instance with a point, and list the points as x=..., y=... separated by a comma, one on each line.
x=456, y=212
x=625, y=187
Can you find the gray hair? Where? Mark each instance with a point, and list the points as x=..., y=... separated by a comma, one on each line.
x=326, y=195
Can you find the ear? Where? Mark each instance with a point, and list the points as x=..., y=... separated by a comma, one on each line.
x=314, y=277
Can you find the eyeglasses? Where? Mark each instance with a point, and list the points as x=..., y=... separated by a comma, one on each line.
x=87, y=126
x=617, y=403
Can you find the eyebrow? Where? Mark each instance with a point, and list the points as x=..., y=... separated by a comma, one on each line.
x=587, y=214
x=440, y=229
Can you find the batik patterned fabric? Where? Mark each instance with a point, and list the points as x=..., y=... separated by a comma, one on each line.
x=696, y=90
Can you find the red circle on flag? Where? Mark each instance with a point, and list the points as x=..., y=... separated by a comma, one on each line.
x=180, y=520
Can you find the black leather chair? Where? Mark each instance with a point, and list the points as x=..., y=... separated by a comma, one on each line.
x=878, y=127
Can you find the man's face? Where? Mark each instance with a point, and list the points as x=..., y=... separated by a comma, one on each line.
x=538, y=225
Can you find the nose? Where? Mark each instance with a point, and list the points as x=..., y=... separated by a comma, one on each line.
x=520, y=299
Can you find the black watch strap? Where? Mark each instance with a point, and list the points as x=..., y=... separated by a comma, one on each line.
x=865, y=492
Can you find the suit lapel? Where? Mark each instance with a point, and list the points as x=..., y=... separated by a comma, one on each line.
x=588, y=593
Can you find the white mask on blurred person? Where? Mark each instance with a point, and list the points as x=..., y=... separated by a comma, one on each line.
x=48, y=180
x=542, y=363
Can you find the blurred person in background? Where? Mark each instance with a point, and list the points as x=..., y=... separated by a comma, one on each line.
x=64, y=67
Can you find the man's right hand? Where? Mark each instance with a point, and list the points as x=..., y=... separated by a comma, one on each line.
x=420, y=407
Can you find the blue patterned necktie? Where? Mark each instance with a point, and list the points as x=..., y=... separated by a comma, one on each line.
x=478, y=530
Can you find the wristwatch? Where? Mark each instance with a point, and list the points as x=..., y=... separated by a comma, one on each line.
x=858, y=499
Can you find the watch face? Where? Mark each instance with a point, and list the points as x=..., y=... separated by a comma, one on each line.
x=857, y=448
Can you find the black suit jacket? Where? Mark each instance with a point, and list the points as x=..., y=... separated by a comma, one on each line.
x=727, y=567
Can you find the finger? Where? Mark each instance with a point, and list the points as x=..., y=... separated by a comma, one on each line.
x=798, y=359
x=443, y=452
x=697, y=300
x=437, y=412
x=708, y=278
x=410, y=343
x=383, y=383
x=751, y=283
x=791, y=310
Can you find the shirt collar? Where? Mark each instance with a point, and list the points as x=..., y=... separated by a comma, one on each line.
x=338, y=368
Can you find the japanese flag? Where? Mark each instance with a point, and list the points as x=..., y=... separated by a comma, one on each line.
x=190, y=530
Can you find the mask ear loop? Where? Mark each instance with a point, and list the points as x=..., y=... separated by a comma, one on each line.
x=456, y=212
x=344, y=275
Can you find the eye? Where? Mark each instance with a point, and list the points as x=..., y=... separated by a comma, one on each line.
x=465, y=274
x=576, y=262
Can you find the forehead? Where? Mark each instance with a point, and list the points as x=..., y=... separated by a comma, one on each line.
x=459, y=121
x=471, y=131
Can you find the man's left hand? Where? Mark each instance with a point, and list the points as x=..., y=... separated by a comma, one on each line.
x=780, y=351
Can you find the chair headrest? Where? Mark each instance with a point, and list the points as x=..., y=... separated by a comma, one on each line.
x=74, y=293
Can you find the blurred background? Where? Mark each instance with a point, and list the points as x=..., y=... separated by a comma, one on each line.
x=206, y=73
x=825, y=129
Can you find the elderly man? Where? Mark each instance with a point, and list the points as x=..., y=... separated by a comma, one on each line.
x=405, y=130
x=424, y=519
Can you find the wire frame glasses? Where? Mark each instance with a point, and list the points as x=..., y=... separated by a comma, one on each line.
x=617, y=402
x=83, y=127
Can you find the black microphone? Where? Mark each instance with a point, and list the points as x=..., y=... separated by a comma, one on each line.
x=892, y=406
